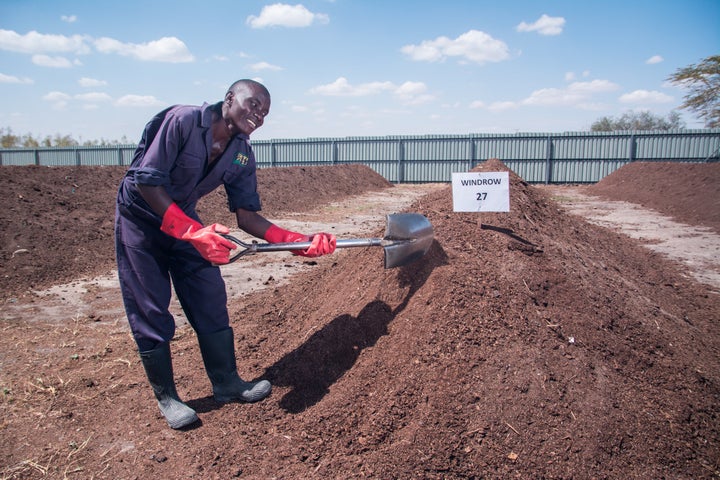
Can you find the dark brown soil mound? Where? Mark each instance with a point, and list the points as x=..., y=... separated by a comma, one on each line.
x=56, y=223
x=688, y=192
x=529, y=344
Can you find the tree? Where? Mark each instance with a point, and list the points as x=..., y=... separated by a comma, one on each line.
x=703, y=84
x=643, y=120
x=28, y=141
x=8, y=139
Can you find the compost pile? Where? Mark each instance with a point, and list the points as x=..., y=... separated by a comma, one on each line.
x=688, y=192
x=56, y=223
x=527, y=344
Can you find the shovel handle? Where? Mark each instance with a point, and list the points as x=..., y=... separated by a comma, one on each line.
x=254, y=247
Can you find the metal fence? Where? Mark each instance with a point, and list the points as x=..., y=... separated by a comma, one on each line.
x=573, y=157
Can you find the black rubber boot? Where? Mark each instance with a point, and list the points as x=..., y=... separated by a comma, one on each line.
x=218, y=353
x=158, y=367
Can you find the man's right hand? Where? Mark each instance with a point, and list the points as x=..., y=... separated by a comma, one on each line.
x=213, y=247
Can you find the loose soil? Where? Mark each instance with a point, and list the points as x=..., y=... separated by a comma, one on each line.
x=529, y=344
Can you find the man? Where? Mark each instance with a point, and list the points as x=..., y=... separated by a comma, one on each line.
x=185, y=153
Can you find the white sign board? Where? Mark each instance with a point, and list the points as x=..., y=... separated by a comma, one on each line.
x=481, y=192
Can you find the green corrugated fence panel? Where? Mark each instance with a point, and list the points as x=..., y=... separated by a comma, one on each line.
x=570, y=157
x=17, y=157
x=511, y=148
x=530, y=170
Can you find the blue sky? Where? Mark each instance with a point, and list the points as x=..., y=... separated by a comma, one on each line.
x=96, y=69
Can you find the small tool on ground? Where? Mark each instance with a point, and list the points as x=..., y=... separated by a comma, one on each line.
x=408, y=237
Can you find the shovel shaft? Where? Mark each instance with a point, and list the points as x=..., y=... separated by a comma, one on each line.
x=408, y=236
x=348, y=243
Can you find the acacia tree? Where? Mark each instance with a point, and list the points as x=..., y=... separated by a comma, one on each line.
x=702, y=81
x=643, y=120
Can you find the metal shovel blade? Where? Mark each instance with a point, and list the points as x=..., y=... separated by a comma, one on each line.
x=408, y=236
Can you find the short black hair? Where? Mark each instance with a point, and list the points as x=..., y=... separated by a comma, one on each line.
x=247, y=81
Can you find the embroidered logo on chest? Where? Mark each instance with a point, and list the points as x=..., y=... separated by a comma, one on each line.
x=241, y=159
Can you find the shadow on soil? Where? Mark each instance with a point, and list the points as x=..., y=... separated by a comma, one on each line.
x=329, y=353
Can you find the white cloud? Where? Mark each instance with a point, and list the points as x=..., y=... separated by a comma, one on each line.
x=413, y=93
x=315, y=110
x=283, y=15
x=594, y=86
x=56, y=96
x=13, y=79
x=34, y=42
x=553, y=96
x=68, y=18
x=342, y=88
x=58, y=99
x=91, y=100
x=473, y=45
x=138, y=101
x=52, y=62
x=545, y=25
x=654, y=59
x=502, y=106
x=91, y=82
x=645, y=97
x=575, y=94
x=411, y=88
x=264, y=66
x=93, y=97
x=166, y=49
x=572, y=76
x=409, y=93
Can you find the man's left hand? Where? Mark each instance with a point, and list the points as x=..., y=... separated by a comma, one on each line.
x=322, y=244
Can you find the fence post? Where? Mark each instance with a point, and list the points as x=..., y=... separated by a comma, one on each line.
x=273, y=159
x=471, y=153
x=631, y=149
x=334, y=153
x=37, y=157
x=78, y=162
x=401, y=162
x=548, y=160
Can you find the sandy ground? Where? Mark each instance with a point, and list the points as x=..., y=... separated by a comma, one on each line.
x=356, y=217
x=696, y=247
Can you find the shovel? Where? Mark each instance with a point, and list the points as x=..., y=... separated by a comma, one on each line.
x=408, y=237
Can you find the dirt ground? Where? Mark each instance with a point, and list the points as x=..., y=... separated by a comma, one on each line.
x=529, y=344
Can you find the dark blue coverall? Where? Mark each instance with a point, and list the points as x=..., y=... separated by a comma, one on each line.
x=173, y=152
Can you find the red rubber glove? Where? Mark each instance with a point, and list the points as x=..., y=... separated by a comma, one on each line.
x=212, y=247
x=322, y=243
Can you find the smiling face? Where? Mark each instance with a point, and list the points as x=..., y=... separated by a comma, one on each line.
x=246, y=105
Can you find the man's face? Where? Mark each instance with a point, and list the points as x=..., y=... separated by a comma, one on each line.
x=246, y=108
